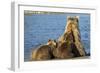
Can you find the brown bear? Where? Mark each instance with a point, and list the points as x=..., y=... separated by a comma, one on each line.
x=72, y=35
x=44, y=52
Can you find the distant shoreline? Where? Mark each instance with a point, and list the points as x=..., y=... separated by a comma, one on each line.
x=41, y=12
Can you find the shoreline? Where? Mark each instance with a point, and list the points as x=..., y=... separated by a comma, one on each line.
x=75, y=58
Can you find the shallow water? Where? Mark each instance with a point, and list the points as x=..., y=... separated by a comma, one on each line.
x=38, y=28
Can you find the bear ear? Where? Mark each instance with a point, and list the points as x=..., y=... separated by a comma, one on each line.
x=49, y=40
x=77, y=17
x=68, y=17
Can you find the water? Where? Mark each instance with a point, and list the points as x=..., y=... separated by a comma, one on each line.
x=38, y=28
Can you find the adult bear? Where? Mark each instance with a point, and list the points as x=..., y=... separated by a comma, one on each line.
x=72, y=35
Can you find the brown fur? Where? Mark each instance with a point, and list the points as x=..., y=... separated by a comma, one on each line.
x=44, y=52
x=63, y=51
x=72, y=34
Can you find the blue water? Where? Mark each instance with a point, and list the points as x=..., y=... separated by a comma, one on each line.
x=38, y=28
